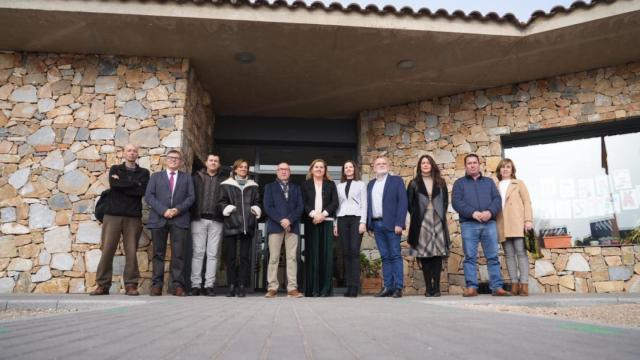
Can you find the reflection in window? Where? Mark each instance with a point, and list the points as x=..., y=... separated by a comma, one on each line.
x=587, y=188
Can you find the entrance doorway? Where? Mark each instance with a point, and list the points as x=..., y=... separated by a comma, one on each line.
x=266, y=142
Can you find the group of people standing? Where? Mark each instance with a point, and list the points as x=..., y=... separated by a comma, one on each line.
x=224, y=209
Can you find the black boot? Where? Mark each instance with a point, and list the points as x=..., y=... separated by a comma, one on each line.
x=426, y=274
x=435, y=273
x=232, y=291
x=242, y=292
x=348, y=292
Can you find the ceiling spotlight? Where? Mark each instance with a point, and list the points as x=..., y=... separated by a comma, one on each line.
x=406, y=64
x=244, y=57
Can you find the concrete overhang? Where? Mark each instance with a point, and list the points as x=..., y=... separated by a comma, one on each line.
x=317, y=63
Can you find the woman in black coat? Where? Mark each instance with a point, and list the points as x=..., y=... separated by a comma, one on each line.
x=320, y=198
x=428, y=233
x=239, y=203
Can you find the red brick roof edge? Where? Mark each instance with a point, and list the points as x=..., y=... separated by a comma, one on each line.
x=391, y=10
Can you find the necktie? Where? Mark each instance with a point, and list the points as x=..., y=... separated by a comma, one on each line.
x=171, y=181
x=285, y=189
x=346, y=190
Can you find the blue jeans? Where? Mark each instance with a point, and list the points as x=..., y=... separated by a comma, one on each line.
x=487, y=235
x=388, y=243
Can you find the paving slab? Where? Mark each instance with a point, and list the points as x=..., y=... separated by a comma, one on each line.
x=120, y=327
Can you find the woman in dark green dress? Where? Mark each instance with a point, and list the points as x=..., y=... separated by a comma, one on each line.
x=320, y=197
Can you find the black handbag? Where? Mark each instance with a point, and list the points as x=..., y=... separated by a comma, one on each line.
x=531, y=244
x=101, y=205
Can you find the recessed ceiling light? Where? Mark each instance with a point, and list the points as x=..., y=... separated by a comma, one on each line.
x=407, y=64
x=245, y=57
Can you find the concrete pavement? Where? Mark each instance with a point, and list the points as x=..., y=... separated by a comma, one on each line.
x=119, y=327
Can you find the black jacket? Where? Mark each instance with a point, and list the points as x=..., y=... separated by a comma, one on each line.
x=418, y=198
x=125, y=197
x=198, y=184
x=241, y=220
x=329, y=197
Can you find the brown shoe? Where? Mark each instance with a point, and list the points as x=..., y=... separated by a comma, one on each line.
x=100, y=290
x=515, y=289
x=500, y=292
x=524, y=289
x=271, y=293
x=156, y=291
x=131, y=290
x=294, y=294
x=180, y=292
x=470, y=292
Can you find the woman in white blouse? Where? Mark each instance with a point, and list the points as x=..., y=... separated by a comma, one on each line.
x=351, y=223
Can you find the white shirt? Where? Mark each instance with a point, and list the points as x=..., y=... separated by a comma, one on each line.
x=376, y=196
x=503, y=186
x=318, y=200
x=356, y=203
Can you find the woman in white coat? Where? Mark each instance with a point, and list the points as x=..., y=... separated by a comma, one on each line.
x=351, y=223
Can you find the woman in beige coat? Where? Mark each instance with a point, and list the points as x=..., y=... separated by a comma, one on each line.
x=515, y=218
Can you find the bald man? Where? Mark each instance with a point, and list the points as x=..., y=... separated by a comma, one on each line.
x=123, y=218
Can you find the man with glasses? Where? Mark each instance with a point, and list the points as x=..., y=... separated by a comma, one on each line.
x=283, y=206
x=123, y=218
x=386, y=217
x=170, y=194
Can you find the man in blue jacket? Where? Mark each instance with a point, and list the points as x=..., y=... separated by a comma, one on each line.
x=170, y=194
x=386, y=217
x=283, y=206
x=477, y=201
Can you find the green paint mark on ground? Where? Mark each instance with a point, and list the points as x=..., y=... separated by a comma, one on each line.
x=117, y=310
x=591, y=329
x=4, y=330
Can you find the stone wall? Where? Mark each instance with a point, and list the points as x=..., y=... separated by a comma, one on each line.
x=64, y=120
x=450, y=127
x=199, y=122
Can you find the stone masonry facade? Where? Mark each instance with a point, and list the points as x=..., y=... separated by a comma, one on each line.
x=64, y=120
x=450, y=127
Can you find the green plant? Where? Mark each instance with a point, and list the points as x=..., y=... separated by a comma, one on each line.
x=634, y=236
x=370, y=268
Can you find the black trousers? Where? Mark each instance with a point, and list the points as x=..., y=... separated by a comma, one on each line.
x=431, y=269
x=179, y=238
x=350, y=240
x=235, y=267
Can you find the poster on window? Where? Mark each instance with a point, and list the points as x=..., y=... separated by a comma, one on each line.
x=607, y=204
x=544, y=209
x=580, y=208
x=586, y=188
x=602, y=185
x=628, y=200
x=615, y=200
x=622, y=179
x=566, y=188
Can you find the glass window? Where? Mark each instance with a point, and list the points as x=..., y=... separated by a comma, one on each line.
x=588, y=188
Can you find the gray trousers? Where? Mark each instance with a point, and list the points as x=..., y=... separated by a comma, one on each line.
x=517, y=260
x=207, y=237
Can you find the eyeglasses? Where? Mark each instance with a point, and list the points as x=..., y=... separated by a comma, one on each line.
x=173, y=158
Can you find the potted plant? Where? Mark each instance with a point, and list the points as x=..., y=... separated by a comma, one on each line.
x=634, y=236
x=557, y=241
x=371, y=282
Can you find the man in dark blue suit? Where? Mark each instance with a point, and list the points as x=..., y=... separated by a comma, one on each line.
x=170, y=194
x=386, y=217
x=283, y=206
